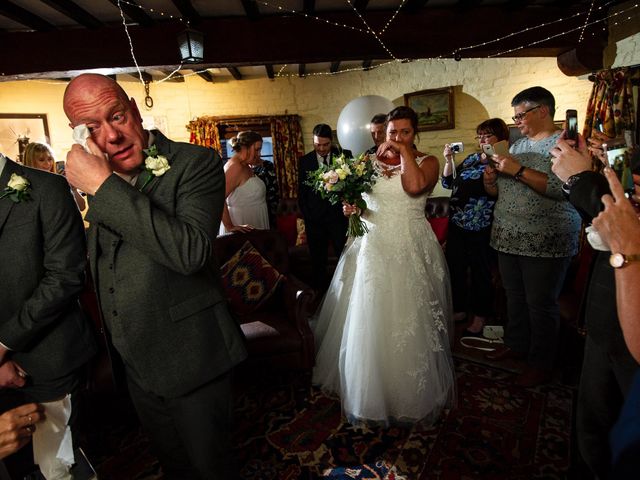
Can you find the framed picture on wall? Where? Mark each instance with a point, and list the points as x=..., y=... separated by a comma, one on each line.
x=434, y=108
x=18, y=129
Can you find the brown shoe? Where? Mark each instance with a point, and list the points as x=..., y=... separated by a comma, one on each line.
x=532, y=377
x=504, y=353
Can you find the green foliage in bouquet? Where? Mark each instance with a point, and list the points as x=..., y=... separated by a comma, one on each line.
x=345, y=180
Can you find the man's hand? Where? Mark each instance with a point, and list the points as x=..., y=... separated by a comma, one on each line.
x=17, y=426
x=567, y=160
x=618, y=223
x=11, y=375
x=87, y=171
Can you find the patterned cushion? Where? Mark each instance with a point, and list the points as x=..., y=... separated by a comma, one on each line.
x=248, y=280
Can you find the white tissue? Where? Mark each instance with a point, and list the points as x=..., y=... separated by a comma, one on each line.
x=594, y=239
x=80, y=135
x=52, y=444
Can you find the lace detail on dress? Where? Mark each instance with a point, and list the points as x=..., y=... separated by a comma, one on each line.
x=382, y=331
x=387, y=171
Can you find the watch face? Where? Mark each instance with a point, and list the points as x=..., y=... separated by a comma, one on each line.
x=616, y=260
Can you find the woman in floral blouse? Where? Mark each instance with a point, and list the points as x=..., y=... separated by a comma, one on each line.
x=470, y=217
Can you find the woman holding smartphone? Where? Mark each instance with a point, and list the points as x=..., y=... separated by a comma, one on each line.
x=470, y=217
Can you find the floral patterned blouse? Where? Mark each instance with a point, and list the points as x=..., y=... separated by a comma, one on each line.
x=529, y=223
x=470, y=208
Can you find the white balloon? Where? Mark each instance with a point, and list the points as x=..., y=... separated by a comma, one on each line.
x=353, y=122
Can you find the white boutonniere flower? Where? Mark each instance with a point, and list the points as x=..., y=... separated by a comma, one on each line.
x=17, y=188
x=155, y=165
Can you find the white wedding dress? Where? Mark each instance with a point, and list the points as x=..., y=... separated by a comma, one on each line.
x=382, y=332
x=247, y=205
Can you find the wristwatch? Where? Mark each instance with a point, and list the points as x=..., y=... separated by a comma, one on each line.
x=566, y=186
x=519, y=173
x=619, y=260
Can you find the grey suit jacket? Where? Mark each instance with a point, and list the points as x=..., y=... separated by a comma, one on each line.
x=42, y=259
x=163, y=305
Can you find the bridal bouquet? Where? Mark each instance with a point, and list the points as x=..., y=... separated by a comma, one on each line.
x=345, y=180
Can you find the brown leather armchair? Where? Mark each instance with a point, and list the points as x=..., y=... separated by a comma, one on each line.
x=278, y=334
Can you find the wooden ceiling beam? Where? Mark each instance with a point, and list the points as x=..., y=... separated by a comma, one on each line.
x=366, y=64
x=132, y=10
x=235, y=73
x=269, y=69
x=176, y=77
x=309, y=7
x=74, y=12
x=302, y=70
x=146, y=77
x=335, y=66
x=187, y=10
x=24, y=17
x=413, y=6
x=251, y=9
x=268, y=41
x=360, y=5
x=205, y=75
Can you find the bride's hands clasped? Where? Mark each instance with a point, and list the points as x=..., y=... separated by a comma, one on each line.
x=348, y=209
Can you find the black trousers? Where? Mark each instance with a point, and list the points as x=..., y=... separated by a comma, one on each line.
x=470, y=251
x=191, y=433
x=319, y=234
x=532, y=286
x=604, y=384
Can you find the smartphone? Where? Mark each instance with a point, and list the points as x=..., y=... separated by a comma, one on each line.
x=572, y=126
x=498, y=148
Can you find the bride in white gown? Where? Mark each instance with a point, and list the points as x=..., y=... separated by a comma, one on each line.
x=383, y=327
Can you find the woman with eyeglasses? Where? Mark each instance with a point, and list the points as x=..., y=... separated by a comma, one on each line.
x=535, y=231
x=470, y=217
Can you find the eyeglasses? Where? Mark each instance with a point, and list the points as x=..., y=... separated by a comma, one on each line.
x=485, y=136
x=518, y=117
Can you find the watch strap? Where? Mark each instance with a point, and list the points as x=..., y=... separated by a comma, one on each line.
x=519, y=173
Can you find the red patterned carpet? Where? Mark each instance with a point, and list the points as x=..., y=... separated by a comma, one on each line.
x=289, y=430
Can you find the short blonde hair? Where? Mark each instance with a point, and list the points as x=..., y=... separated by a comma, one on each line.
x=35, y=150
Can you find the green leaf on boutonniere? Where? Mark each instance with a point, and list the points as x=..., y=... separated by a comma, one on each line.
x=155, y=165
x=17, y=189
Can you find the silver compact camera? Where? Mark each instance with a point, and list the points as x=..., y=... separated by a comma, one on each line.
x=456, y=147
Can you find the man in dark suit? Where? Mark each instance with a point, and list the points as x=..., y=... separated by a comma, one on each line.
x=378, y=133
x=323, y=222
x=608, y=367
x=150, y=250
x=44, y=337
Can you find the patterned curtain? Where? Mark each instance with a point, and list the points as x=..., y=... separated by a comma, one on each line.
x=288, y=147
x=204, y=131
x=611, y=102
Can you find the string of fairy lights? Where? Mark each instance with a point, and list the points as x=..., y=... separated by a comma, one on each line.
x=618, y=16
x=584, y=27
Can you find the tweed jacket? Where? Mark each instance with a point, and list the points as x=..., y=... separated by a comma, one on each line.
x=158, y=281
x=43, y=259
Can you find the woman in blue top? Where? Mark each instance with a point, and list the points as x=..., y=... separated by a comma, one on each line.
x=470, y=216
